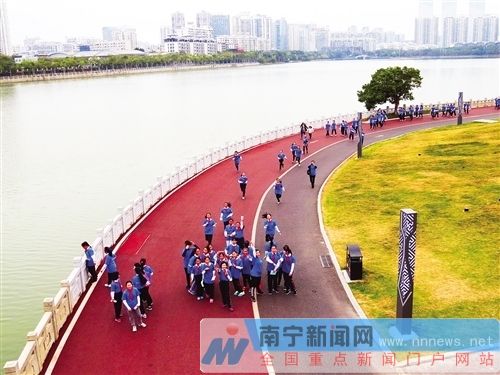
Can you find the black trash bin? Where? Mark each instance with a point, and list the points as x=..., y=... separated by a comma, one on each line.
x=354, y=261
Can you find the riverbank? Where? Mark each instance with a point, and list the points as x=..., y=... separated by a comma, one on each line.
x=117, y=72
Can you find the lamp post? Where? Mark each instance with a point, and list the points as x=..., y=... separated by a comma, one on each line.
x=460, y=107
x=361, y=135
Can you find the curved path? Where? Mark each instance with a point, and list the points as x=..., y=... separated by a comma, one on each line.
x=170, y=343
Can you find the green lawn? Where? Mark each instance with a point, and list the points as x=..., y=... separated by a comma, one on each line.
x=437, y=173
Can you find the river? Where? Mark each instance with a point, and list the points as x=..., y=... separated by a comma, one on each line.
x=74, y=151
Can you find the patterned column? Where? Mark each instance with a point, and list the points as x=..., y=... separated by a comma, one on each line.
x=406, y=261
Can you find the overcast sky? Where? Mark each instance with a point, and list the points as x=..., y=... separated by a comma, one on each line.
x=57, y=19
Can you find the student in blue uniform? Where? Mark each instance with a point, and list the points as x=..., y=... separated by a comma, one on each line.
x=229, y=232
x=233, y=246
x=187, y=253
x=293, y=146
x=208, y=278
x=298, y=154
x=131, y=301
x=192, y=261
x=209, y=227
x=270, y=227
x=141, y=283
x=89, y=261
x=334, y=127
x=311, y=171
x=239, y=230
x=288, y=267
x=243, y=181
x=327, y=128
x=246, y=261
x=273, y=260
x=116, y=296
x=148, y=273
x=224, y=279
x=305, y=145
x=237, y=160
x=226, y=213
x=110, y=262
x=235, y=266
x=281, y=159
x=197, y=277
x=278, y=189
x=255, y=275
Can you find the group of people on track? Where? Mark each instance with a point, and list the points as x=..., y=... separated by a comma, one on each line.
x=134, y=296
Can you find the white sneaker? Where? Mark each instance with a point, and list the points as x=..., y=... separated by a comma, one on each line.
x=143, y=325
x=144, y=316
x=107, y=285
x=241, y=294
x=134, y=329
x=236, y=293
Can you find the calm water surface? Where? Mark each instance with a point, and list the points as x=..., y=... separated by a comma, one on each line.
x=73, y=151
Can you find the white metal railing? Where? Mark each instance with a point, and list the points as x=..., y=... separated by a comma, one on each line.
x=58, y=309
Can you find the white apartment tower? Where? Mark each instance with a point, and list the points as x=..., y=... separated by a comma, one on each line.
x=4, y=30
x=203, y=20
x=178, y=21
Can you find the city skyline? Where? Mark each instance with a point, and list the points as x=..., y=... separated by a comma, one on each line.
x=57, y=20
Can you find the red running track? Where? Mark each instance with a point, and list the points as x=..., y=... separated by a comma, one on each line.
x=170, y=343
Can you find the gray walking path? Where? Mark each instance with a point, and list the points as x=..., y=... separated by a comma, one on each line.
x=320, y=293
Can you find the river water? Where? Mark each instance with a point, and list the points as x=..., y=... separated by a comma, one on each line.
x=73, y=151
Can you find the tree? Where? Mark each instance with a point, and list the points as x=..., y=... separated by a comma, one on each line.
x=391, y=85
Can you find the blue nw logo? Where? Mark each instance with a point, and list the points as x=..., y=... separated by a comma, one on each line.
x=220, y=353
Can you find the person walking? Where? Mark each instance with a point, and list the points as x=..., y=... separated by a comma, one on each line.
x=230, y=232
x=141, y=283
x=110, y=262
x=148, y=273
x=298, y=154
x=281, y=159
x=132, y=302
x=240, y=233
x=226, y=213
x=273, y=260
x=224, y=279
x=270, y=227
x=288, y=267
x=255, y=275
x=208, y=278
x=235, y=266
x=209, y=228
x=334, y=127
x=187, y=253
x=278, y=190
x=237, y=160
x=197, y=277
x=116, y=296
x=310, y=131
x=246, y=261
x=327, y=128
x=311, y=171
x=305, y=145
x=89, y=261
x=243, y=181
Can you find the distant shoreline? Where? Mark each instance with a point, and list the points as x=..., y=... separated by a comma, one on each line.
x=116, y=72
x=184, y=67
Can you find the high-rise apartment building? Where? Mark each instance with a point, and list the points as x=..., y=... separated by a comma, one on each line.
x=4, y=30
x=280, y=35
x=426, y=31
x=178, y=21
x=220, y=24
x=485, y=29
x=203, y=19
x=257, y=26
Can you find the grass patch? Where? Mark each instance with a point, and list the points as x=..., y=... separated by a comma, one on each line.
x=437, y=173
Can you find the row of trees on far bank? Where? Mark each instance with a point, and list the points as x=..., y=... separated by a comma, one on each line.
x=46, y=65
